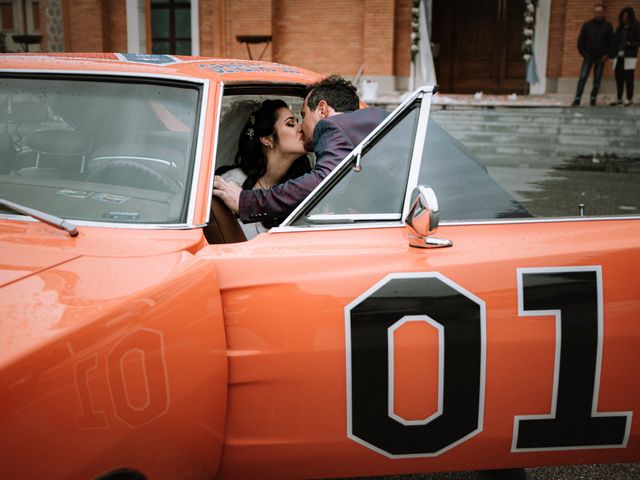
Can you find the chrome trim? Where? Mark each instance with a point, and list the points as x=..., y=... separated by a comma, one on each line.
x=418, y=149
x=424, y=215
x=353, y=226
x=86, y=223
x=111, y=73
x=285, y=228
x=195, y=181
x=536, y=220
x=421, y=223
x=356, y=151
x=355, y=217
x=214, y=155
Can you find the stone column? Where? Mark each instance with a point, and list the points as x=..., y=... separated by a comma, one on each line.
x=55, y=26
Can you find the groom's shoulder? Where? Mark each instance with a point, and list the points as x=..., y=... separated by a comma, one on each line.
x=369, y=115
x=354, y=125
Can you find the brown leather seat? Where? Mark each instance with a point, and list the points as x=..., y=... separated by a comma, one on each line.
x=223, y=227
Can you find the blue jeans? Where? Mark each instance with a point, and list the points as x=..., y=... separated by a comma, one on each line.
x=587, y=63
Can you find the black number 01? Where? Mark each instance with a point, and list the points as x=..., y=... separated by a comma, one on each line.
x=573, y=295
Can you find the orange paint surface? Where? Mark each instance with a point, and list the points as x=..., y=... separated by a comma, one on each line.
x=416, y=365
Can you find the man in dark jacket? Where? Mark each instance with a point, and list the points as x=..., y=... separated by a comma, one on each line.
x=333, y=125
x=593, y=44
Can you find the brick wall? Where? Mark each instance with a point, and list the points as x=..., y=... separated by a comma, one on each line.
x=248, y=17
x=211, y=28
x=114, y=29
x=402, y=38
x=329, y=36
x=378, y=39
x=95, y=26
x=83, y=26
x=325, y=36
x=556, y=38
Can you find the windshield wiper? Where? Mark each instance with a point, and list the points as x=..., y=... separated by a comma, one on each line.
x=57, y=222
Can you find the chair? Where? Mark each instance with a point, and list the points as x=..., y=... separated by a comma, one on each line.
x=223, y=227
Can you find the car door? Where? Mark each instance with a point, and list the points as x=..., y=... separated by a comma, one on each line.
x=353, y=353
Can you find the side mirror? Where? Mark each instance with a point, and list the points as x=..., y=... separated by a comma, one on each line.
x=423, y=219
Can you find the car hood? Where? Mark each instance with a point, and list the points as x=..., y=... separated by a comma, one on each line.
x=51, y=284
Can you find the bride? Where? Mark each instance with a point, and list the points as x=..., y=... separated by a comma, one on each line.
x=270, y=151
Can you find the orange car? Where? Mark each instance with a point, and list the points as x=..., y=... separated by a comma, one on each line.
x=141, y=338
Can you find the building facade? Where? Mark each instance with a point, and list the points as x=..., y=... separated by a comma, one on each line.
x=477, y=45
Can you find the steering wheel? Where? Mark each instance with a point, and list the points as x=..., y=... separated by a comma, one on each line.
x=133, y=174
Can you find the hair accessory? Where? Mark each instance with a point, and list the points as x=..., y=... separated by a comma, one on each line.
x=252, y=119
x=250, y=133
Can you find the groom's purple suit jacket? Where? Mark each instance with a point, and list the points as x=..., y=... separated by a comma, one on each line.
x=333, y=139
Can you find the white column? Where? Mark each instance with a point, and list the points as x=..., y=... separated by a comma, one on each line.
x=136, y=27
x=541, y=45
x=195, y=28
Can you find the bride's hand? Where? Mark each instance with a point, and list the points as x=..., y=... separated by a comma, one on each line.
x=228, y=192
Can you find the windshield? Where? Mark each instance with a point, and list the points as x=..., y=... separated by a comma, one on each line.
x=108, y=150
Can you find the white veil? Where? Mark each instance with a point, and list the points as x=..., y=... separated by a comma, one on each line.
x=231, y=127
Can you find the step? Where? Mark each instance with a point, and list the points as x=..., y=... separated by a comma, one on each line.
x=454, y=125
x=518, y=120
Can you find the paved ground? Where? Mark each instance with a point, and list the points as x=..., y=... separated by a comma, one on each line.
x=480, y=99
x=624, y=471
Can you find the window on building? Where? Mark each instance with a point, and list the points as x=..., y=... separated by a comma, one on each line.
x=6, y=16
x=35, y=15
x=171, y=27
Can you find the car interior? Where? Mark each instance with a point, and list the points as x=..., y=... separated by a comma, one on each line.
x=237, y=100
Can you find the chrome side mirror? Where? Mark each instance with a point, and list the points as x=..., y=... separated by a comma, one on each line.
x=423, y=219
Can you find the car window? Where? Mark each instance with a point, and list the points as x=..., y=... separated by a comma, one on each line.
x=99, y=150
x=461, y=181
x=539, y=162
x=377, y=190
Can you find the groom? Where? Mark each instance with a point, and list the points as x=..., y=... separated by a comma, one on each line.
x=333, y=126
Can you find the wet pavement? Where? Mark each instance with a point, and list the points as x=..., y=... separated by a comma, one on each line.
x=621, y=471
x=553, y=160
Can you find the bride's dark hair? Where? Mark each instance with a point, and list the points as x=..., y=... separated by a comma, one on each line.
x=251, y=157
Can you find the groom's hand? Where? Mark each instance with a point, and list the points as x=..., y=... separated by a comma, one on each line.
x=228, y=192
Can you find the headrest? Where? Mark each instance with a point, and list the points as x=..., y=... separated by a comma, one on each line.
x=59, y=142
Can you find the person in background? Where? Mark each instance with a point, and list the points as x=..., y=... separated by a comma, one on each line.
x=624, y=51
x=593, y=44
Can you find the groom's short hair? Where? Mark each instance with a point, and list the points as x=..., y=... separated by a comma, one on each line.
x=340, y=94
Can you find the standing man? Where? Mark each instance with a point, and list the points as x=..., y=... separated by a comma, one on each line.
x=593, y=44
x=333, y=125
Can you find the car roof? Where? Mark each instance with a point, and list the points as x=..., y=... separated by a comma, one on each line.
x=210, y=68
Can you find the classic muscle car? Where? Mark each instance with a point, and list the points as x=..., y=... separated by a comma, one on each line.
x=142, y=337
